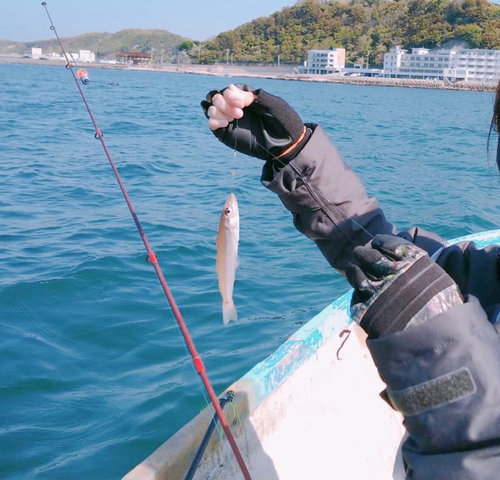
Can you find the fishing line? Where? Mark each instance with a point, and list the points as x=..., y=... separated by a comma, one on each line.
x=312, y=191
x=198, y=363
x=316, y=191
x=235, y=151
x=82, y=73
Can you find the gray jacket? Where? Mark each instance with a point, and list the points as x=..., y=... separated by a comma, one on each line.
x=443, y=375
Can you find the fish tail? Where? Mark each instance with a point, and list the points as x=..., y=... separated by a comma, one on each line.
x=229, y=312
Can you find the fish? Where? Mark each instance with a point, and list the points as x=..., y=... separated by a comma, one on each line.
x=228, y=238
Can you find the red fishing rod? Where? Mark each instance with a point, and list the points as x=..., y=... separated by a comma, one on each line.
x=198, y=363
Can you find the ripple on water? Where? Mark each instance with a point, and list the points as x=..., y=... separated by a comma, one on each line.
x=96, y=375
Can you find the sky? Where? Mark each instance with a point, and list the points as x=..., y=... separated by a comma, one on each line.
x=26, y=20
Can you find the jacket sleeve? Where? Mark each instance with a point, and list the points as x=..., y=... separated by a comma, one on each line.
x=476, y=272
x=329, y=203
x=444, y=377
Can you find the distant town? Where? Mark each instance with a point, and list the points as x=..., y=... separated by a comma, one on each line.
x=453, y=65
x=467, y=65
x=87, y=56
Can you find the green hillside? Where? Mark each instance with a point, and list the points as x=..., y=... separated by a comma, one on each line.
x=161, y=42
x=6, y=45
x=362, y=27
x=365, y=28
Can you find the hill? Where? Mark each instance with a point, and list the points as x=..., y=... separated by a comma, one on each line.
x=362, y=27
x=105, y=44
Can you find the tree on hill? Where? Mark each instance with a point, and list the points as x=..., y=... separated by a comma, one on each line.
x=362, y=27
x=365, y=28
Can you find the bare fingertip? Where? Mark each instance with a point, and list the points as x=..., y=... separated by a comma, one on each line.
x=238, y=113
x=215, y=123
x=249, y=98
x=211, y=112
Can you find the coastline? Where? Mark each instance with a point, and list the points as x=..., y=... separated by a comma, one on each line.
x=273, y=72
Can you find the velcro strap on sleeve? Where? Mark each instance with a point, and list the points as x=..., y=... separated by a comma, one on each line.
x=435, y=393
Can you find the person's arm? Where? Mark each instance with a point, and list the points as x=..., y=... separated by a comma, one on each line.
x=444, y=377
x=438, y=355
x=476, y=273
x=326, y=198
x=328, y=202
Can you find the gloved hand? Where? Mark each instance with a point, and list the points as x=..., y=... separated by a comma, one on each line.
x=268, y=128
x=397, y=286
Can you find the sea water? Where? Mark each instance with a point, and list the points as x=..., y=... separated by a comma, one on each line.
x=94, y=372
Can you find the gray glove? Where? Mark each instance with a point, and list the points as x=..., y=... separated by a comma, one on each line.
x=397, y=286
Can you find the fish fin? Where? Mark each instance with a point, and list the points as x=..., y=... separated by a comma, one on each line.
x=229, y=312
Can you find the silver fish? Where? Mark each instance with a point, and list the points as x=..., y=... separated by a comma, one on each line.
x=228, y=238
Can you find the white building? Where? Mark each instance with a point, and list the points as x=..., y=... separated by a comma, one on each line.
x=392, y=61
x=322, y=62
x=86, y=56
x=36, y=52
x=420, y=63
x=474, y=65
x=461, y=64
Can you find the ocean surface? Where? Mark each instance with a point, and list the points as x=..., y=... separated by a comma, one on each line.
x=94, y=372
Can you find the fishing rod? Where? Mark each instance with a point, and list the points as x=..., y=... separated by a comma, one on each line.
x=197, y=361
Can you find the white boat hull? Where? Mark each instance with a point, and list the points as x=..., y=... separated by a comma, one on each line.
x=308, y=411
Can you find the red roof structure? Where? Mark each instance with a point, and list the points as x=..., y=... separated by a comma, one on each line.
x=133, y=57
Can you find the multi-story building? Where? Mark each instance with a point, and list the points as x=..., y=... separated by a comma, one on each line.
x=474, y=65
x=323, y=62
x=420, y=63
x=392, y=61
x=457, y=64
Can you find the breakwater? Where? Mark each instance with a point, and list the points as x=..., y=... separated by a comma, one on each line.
x=290, y=73
x=396, y=82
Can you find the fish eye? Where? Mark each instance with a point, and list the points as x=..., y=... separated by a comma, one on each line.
x=228, y=211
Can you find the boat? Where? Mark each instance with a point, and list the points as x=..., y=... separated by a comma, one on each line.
x=311, y=410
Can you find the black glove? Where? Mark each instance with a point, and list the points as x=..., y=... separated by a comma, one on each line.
x=397, y=286
x=270, y=129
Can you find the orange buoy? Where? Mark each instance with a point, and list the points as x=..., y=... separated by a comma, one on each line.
x=83, y=76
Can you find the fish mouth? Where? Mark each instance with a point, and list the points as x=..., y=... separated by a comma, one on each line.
x=231, y=198
x=231, y=205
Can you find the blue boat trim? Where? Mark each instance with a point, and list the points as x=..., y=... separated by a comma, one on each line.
x=269, y=374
